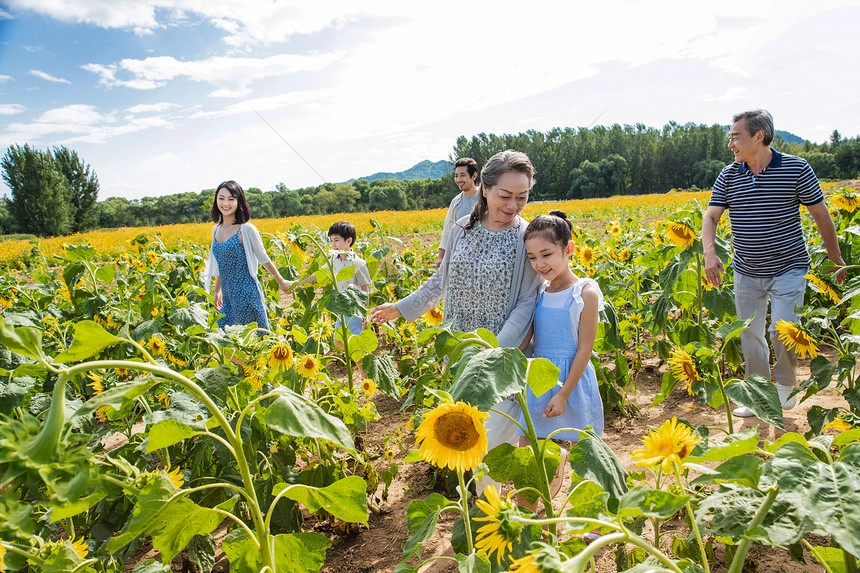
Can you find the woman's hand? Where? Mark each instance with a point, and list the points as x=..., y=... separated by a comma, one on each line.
x=556, y=407
x=384, y=313
x=284, y=284
x=218, y=300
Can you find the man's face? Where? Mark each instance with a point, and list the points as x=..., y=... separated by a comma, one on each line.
x=742, y=144
x=462, y=178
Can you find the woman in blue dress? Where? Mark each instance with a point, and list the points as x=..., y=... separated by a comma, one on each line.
x=236, y=250
x=564, y=328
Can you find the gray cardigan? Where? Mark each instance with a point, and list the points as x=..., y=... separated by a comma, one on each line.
x=518, y=315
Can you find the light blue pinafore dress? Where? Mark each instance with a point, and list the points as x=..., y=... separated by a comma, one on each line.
x=556, y=339
x=242, y=299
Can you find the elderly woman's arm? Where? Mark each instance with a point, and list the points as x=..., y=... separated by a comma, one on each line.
x=517, y=325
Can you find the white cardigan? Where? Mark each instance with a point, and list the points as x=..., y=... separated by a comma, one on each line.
x=518, y=314
x=255, y=253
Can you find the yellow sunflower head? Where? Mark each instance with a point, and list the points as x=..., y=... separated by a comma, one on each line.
x=624, y=255
x=389, y=454
x=542, y=559
x=586, y=255
x=684, y=368
x=667, y=446
x=176, y=477
x=847, y=202
x=368, y=386
x=433, y=316
x=96, y=383
x=407, y=331
x=635, y=318
x=680, y=234
x=615, y=228
x=453, y=436
x=281, y=356
x=80, y=547
x=839, y=425
x=502, y=528
x=824, y=288
x=796, y=338
x=322, y=329
x=308, y=366
x=156, y=345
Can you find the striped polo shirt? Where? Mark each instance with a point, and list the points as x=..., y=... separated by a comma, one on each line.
x=764, y=211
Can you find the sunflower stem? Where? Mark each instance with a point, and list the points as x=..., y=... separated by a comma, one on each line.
x=464, y=502
x=695, y=526
x=746, y=542
x=726, y=402
x=539, y=456
x=699, y=287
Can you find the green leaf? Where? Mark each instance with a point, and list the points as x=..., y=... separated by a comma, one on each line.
x=832, y=557
x=828, y=495
x=63, y=559
x=166, y=433
x=760, y=396
x=847, y=437
x=345, y=499
x=90, y=339
x=300, y=552
x=115, y=397
x=383, y=371
x=242, y=552
x=191, y=315
x=784, y=439
x=183, y=408
x=360, y=345
x=729, y=332
x=346, y=273
x=509, y=463
x=80, y=253
x=351, y=302
x=69, y=509
x=152, y=566
x=24, y=340
x=647, y=502
x=719, y=302
x=586, y=499
x=542, y=375
x=729, y=512
x=822, y=371
x=488, y=337
x=742, y=470
x=591, y=459
x=295, y=415
x=473, y=563
x=668, y=386
x=12, y=394
x=489, y=377
x=106, y=273
x=422, y=516
x=732, y=446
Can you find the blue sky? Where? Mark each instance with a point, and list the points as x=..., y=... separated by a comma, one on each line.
x=163, y=96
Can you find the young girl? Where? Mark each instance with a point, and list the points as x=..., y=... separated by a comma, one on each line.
x=565, y=325
x=236, y=249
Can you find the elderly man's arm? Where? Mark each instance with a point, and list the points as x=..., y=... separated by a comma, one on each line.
x=827, y=229
x=713, y=264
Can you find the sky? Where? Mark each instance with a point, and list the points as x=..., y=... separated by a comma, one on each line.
x=170, y=96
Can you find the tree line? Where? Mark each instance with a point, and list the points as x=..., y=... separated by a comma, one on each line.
x=54, y=192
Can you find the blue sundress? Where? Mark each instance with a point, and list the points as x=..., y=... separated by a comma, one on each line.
x=556, y=339
x=241, y=295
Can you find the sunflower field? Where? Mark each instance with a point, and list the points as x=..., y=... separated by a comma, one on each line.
x=128, y=420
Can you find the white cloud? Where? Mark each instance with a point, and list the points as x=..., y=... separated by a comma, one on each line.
x=11, y=108
x=4, y=78
x=232, y=75
x=48, y=77
x=732, y=94
x=150, y=108
x=294, y=98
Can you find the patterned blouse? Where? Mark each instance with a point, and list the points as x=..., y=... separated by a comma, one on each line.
x=480, y=274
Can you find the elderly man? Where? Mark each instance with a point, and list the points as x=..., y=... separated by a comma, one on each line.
x=763, y=190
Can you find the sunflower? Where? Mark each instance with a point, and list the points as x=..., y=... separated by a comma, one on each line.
x=407, y=331
x=624, y=255
x=453, y=435
x=684, y=369
x=433, y=316
x=164, y=398
x=154, y=312
x=794, y=337
x=636, y=318
x=281, y=356
x=96, y=383
x=839, y=425
x=80, y=547
x=368, y=386
x=176, y=477
x=389, y=454
x=615, y=228
x=586, y=255
x=847, y=203
x=668, y=445
x=308, y=366
x=824, y=288
x=322, y=329
x=680, y=234
x=658, y=238
x=502, y=528
x=156, y=345
x=525, y=564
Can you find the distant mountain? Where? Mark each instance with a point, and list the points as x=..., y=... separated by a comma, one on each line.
x=423, y=170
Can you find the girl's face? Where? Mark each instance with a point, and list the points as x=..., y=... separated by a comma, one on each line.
x=506, y=199
x=549, y=259
x=227, y=204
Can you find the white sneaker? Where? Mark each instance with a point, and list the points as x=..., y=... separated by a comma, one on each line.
x=743, y=412
x=784, y=391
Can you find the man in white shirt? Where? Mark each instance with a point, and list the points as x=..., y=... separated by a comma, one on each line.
x=466, y=178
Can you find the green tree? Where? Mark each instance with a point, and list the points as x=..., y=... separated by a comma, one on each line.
x=705, y=172
x=41, y=196
x=84, y=184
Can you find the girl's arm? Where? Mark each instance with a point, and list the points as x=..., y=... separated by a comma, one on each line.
x=283, y=283
x=587, y=333
x=527, y=340
x=217, y=293
x=309, y=279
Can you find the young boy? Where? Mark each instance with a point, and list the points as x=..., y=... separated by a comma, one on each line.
x=342, y=236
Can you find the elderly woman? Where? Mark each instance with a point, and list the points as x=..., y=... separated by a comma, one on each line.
x=485, y=277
